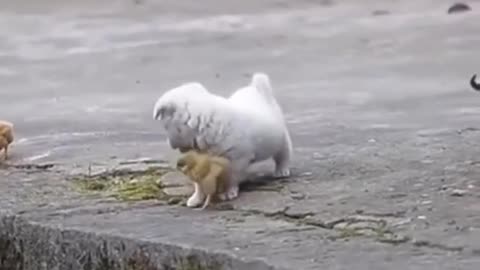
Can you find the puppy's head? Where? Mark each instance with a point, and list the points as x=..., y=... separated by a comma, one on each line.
x=171, y=101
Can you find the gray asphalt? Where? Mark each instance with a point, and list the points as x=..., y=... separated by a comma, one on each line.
x=383, y=120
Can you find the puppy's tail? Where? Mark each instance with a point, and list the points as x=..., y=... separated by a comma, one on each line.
x=261, y=82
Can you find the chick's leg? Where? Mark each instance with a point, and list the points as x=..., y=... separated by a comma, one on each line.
x=207, y=202
x=197, y=197
x=4, y=145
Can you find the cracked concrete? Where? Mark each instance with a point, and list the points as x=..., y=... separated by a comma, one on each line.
x=382, y=117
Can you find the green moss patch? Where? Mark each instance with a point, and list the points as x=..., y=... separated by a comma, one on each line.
x=126, y=185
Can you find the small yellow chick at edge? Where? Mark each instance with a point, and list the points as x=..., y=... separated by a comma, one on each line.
x=6, y=136
x=210, y=172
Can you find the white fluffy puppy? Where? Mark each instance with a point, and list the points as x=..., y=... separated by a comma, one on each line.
x=246, y=128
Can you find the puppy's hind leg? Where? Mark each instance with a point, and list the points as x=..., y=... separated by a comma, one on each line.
x=282, y=158
x=231, y=192
x=238, y=174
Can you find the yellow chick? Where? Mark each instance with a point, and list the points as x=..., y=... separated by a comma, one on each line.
x=6, y=136
x=210, y=172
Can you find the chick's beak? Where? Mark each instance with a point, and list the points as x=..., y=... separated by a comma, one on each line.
x=181, y=164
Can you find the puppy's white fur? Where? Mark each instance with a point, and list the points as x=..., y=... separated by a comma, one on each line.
x=246, y=128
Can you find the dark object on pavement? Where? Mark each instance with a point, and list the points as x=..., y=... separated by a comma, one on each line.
x=380, y=12
x=458, y=7
x=474, y=84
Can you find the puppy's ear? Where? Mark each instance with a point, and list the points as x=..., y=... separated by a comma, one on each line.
x=164, y=111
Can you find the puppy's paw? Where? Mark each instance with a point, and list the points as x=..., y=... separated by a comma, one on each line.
x=281, y=173
x=232, y=192
x=222, y=196
x=195, y=200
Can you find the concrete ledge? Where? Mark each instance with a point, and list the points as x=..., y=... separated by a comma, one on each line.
x=30, y=245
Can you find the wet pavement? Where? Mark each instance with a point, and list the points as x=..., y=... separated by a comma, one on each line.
x=383, y=121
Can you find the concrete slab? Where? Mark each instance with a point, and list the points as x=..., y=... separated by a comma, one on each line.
x=382, y=117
